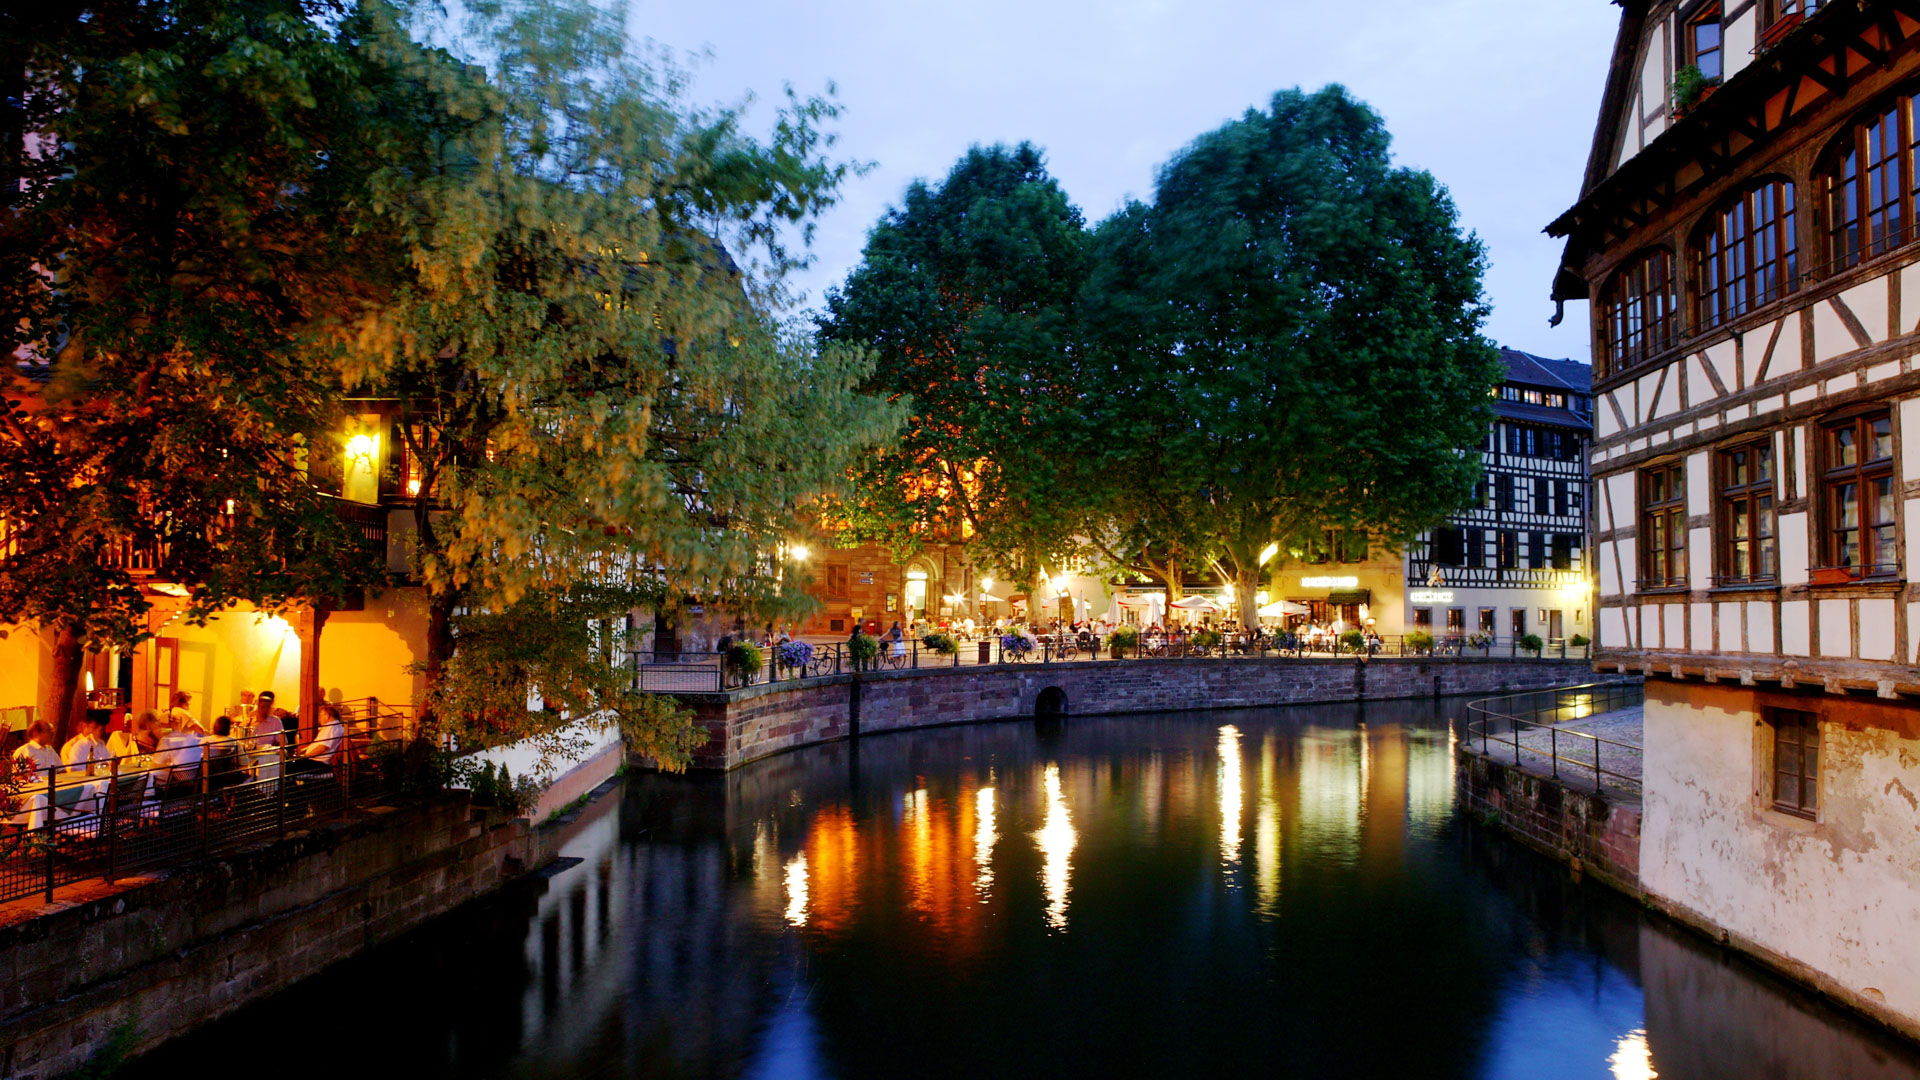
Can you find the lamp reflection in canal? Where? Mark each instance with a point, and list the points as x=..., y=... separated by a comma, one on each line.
x=1266, y=836
x=1230, y=795
x=983, y=837
x=1055, y=839
x=797, y=890
x=1632, y=1058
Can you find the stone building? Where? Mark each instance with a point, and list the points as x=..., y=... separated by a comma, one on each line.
x=1746, y=235
x=1515, y=562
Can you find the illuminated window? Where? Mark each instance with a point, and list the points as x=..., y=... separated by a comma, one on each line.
x=1749, y=550
x=1663, y=526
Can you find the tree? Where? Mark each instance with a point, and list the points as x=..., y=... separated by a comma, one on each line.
x=603, y=408
x=183, y=180
x=1292, y=329
x=967, y=294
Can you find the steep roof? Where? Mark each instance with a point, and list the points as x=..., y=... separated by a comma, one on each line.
x=1530, y=370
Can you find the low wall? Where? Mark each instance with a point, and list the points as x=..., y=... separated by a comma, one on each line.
x=1596, y=834
x=138, y=962
x=744, y=725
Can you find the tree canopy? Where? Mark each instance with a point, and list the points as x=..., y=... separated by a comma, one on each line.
x=967, y=295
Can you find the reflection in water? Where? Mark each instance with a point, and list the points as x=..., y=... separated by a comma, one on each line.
x=797, y=890
x=1056, y=839
x=1229, y=796
x=1633, y=1059
x=983, y=837
x=1266, y=835
x=798, y=919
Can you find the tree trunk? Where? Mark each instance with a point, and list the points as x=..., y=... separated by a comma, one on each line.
x=1176, y=582
x=439, y=636
x=310, y=667
x=1246, y=587
x=62, y=692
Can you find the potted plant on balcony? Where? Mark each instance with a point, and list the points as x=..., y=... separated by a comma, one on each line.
x=1532, y=643
x=1579, y=641
x=793, y=656
x=1690, y=87
x=743, y=659
x=863, y=649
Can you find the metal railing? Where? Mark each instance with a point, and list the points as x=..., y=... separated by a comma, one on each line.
x=709, y=672
x=143, y=813
x=1514, y=715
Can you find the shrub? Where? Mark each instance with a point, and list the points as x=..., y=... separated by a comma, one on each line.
x=1532, y=643
x=940, y=642
x=1479, y=639
x=1579, y=641
x=1206, y=639
x=1688, y=84
x=1420, y=641
x=1123, y=640
x=1353, y=640
x=743, y=659
x=863, y=649
x=1287, y=640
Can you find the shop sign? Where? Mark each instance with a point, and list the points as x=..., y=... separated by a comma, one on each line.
x=1329, y=582
x=1431, y=596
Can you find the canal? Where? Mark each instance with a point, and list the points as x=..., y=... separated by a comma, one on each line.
x=1284, y=892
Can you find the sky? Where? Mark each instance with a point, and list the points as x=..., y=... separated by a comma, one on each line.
x=1496, y=98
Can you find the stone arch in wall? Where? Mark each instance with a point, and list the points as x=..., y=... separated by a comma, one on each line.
x=1051, y=701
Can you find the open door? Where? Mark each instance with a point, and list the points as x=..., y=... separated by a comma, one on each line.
x=166, y=672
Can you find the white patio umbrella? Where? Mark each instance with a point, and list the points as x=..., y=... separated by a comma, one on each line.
x=1281, y=608
x=1196, y=603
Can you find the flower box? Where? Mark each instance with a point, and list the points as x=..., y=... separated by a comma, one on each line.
x=1832, y=575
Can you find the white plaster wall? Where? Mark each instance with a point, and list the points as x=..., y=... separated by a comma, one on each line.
x=1841, y=895
x=1739, y=40
x=1759, y=626
x=1731, y=638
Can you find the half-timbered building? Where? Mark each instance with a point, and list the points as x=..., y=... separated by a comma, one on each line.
x=1514, y=562
x=1748, y=239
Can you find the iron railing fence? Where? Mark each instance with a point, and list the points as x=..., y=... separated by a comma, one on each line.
x=708, y=672
x=1505, y=721
x=142, y=813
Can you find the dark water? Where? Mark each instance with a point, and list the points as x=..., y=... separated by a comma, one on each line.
x=1277, y=893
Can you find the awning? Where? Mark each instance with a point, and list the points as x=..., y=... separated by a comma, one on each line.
x=1196, y=603
x=1283, y=607
x=1350, y=596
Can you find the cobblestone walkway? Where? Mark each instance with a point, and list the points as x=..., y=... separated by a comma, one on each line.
x=1620, y=756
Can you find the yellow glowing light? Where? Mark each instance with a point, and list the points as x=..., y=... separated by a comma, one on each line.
x=362, y=446
x=1329, y=582
x=797, y=890
x=983, y=838
x=1260, y=597
x=800, y=552
x=1230, y=795
x=1056, y=840
x=1267, y=553
x=986, y=584
x=89, y=682
x=269, y=625
x=413, y=485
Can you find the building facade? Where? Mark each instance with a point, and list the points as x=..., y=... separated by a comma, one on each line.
x=1746, y=235
x=1516, y=561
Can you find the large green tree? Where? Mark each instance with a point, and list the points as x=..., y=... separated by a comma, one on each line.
x=967, y=295
x=604, y=409
x=1289, y=341
x=183, y=190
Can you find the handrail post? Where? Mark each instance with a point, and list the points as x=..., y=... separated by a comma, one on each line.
x=47, y=829
x=113, y=813
x=1554, y=740
x=203, y=803
x=280, y=796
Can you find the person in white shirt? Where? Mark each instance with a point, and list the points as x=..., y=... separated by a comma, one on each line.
x=266, y=728
x=87, y=749
x=134, y=739
x=320, y=754
x=35, y=756
x=180, y=753
x=180, y=717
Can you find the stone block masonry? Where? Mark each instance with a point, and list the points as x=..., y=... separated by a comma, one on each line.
x=1598, y=834
x=160, y=956
x=748, y=724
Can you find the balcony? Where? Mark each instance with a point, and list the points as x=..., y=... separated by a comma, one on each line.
x=366, y=522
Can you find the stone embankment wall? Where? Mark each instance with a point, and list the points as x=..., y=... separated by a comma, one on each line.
x=1597, y=834
x=747, y=724
x=157, y=957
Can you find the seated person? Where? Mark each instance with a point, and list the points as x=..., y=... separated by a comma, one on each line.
x=35, y=757
x=222, y=751
x=331, y=737
x=266, y=729
x=180, y=717
x=180, y=754
x=87, y=752
x=134, y=739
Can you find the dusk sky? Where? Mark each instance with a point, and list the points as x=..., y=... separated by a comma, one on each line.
x=1496, y=98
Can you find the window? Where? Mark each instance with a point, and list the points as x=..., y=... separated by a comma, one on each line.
x=1746, y=257
x=1539, y=494
x=1638, y=307
x=1564, y=546
x=1423, y=618
x=1518, y=621
x=1486, y=620
x=837, y=582
x=1869, y=187
x=1509, y=553
x=1749, y=551
x=1858, y=498
x=1663, y=526
x=1703, y=42
x=1473, y=548
x=1796, y=761
x=1456, y=621
x=1537, y=550
x=1449, y=547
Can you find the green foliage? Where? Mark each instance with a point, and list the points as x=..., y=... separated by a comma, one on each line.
x=1124, y=640
x=1479, y=639
x=941, y=642
x=200, y=207
x=1420, y=641
x=863, y=649
x=966, y=296
x=1353, y=640
x=744, y=660
x=1688, y=84
x=1288, y=341
x=1205, y=639
x=1531, y=643
x=110, y=1056
x=1579, y=641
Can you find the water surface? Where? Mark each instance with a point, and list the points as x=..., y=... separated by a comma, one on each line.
x=1283, y=892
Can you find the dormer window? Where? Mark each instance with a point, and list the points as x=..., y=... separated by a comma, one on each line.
x=1703, y=42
